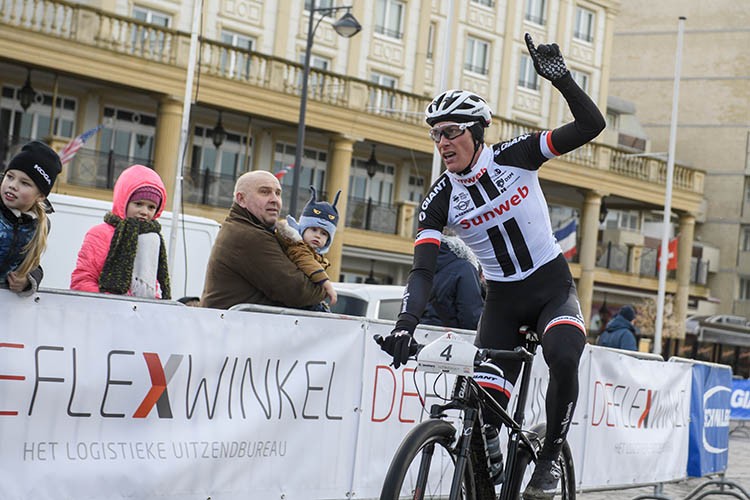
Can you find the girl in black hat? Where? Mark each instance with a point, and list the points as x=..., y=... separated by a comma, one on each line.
x=27, y=181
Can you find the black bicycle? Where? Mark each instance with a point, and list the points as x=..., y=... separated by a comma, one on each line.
x=439, y=459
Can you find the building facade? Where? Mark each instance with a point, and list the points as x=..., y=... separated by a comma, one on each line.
x=713, y=130
x=124, y=65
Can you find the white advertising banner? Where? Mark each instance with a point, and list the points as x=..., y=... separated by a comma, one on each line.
x=635, y=421
x=393, y=402
x=105, y=398
x=114, y=398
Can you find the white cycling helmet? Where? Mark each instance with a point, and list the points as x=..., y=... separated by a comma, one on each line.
x=460, y=106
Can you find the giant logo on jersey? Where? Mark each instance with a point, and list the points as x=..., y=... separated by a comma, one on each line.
x=508, y=144
x=516, y=199
x=431, y=195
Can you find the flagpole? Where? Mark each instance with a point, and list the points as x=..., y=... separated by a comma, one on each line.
x=186, y=102
x=664, y=257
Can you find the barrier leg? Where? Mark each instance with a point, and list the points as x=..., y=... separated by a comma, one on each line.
x=657, y=495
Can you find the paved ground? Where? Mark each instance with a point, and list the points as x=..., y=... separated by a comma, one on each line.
x=738, y=472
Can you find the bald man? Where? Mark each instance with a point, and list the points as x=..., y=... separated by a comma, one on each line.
x=247, y=265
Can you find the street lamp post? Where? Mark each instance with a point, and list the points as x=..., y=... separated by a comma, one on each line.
x=347, y=27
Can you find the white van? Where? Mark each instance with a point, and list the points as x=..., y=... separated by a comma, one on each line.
x=74, y=216
x=370, y=301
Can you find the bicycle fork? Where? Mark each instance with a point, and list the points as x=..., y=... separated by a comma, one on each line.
x=463, y=448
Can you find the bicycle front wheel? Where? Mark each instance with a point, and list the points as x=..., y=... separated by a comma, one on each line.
x=525, y=467
x=424, y=465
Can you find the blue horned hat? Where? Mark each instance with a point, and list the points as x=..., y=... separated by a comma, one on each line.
x=319, y=214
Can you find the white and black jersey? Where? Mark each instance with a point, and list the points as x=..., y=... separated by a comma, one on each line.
x=497, y=207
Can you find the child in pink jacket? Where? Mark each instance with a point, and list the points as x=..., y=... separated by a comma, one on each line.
x=125, y=255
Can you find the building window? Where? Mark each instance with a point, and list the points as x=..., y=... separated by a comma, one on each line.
x=613, y=121
x=319, y=4
x=380, y=188
x=35, y=122
x=122, y=130
x=477, y=56
x=382, y=100
x=236, y=64
x=315, y=81
x=746, y=238
x=747, y=189
x=584, y=28
x=214, y=171
x=745, y=288
x=313, y=173
x=416, y=188
x=227, y=161
x=581, y=78
x=389, y=18
x=151, y=16
x=527, y=76
x=486, y=3
x=431, y=41
x=627, y=220
x=535, y=10
x=150, y=41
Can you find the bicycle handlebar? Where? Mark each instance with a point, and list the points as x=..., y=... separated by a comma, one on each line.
x=517, y=354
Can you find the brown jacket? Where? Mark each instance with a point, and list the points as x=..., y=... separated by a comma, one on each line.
x=247, y=266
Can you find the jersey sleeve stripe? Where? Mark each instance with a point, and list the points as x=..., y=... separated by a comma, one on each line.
x=428, y=236
x=545, y=143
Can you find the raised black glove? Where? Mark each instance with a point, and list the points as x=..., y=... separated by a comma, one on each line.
x=548, y=61
x=399, y=344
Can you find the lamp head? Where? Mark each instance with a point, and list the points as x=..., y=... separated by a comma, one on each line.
x=219, y=134
x=372, y=164
x=347, y=26
x=27, y=93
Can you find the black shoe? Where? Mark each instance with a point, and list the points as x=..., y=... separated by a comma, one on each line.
x=543, y=484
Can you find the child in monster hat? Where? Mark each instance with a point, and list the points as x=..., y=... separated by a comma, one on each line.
x=307, y=241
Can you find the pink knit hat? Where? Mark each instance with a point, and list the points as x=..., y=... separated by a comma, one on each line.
x=149, y=193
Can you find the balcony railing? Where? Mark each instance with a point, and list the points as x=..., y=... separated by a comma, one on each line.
x=371, y=215
x=99, y=169
x=94, y=27
x=208, y=188
x=643, y=261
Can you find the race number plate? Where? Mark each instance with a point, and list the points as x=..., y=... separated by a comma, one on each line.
x=448, y=354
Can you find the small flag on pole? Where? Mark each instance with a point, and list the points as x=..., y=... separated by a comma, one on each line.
x=566, y=237
x=284, y=170
x=70, y=150
x=671, y=255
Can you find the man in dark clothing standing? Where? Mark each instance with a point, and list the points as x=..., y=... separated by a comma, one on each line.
x=620, y=332
x=456, y=299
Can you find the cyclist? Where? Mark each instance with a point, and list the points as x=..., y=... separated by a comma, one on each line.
x=491, y=198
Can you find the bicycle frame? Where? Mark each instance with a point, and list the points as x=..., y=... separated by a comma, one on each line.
x=469, y=398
